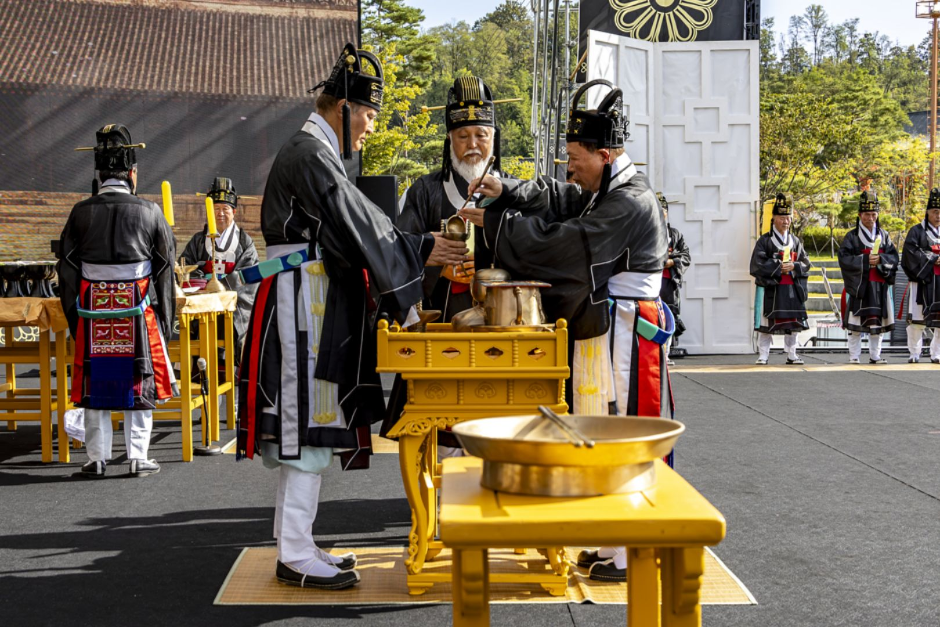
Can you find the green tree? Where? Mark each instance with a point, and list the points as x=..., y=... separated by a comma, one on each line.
x=387, y=22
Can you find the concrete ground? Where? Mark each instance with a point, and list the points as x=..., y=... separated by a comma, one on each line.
x=829, y=481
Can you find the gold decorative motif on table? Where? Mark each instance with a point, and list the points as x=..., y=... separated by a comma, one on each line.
x=454, y=376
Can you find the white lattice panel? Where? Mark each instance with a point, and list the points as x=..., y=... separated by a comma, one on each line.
x=700, y=136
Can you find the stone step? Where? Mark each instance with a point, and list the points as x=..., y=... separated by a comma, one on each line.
x=819, y=303
x=834, y=264
x=832, y=274
x=818, y=286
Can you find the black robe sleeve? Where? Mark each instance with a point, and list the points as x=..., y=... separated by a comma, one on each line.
x=918, y=259
x=421, y=214
x=854, y=264
x=765, y=265
x=246, y=256
x=353, y=231
x=163, y=255
x=544, y=237
x=888, y=264
x=69, y=270
x=680, y=256
x=195, y=251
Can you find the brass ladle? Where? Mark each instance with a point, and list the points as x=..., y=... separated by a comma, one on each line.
x=574, y=436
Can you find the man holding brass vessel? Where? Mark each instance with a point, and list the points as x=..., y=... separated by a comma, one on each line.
x=307, y=383
x=605, y=240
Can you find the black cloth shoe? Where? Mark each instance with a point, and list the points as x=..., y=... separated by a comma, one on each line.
x=144, y=467
x=94, y=470
x=795, y=362
x=342, y=580
x=606, y=570
x=880, y=361
x=589, y=557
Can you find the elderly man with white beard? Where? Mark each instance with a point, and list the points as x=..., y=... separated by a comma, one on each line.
x=472, y=138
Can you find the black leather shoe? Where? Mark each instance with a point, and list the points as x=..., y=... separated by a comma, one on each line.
x=589, y=557
x=94, y=470
x=606, y=570
x=342, y=580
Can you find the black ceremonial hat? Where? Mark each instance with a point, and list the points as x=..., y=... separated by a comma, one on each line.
x=606, y=126
x=349, y=82
x=933, y=202
x=223, y=190
x=114, y=149
x=783, y=205
x=868, y=201
x=470, y=103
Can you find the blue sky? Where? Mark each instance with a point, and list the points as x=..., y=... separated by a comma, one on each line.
x=894, y=18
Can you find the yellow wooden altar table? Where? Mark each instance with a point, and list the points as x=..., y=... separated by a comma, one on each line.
x=665, y=529
x=206, y=308
x=46, y=315
x=452, y=377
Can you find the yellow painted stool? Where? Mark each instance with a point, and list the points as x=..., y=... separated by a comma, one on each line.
x=671, y=521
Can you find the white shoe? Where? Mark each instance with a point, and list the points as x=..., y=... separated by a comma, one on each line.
x=761, y=362
x=854, y=360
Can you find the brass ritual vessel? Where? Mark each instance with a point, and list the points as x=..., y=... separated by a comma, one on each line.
x=532, y=455
x=513, y=303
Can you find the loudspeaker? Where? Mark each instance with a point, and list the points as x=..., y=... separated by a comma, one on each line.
x=383, y=191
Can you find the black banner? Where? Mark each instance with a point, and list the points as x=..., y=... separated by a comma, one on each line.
x=666, y=20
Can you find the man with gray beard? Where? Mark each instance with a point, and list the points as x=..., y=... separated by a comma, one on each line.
x=472, y=138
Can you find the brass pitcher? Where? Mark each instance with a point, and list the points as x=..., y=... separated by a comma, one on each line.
x=513, y=303
x=477, y=290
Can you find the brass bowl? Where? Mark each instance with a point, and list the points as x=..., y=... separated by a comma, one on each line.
x=530, y=455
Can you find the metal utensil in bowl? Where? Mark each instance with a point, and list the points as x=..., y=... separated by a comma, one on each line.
x=577, y=438
x=530, y=455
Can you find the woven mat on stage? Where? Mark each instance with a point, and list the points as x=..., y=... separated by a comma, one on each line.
x=251, y=582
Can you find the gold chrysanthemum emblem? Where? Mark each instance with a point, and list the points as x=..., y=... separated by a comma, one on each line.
x=663, y=20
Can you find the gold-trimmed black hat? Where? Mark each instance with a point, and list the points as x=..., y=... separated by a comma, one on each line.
x=114, y=149
x=868, y=201
x=606, y=126
x=223, y=190
x=469, y=103
x=783, y=205
x=348, y=81
x=933, y=201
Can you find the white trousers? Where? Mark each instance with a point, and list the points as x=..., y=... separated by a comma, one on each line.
x=915, y=341
x=298, y=496
x=98, y=433
x=855, y=345
x=765, y=340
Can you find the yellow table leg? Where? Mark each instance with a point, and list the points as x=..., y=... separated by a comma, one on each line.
x=230, y=369
x=212, y=359
x=471, y=588
x=682, y=585
x=642, y=588
x=11, y=373
x=186, y=376
x=62, y=396
x=45, y=396
x=411, y=450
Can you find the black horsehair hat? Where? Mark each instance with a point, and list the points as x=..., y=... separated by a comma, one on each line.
x=223, y=190
x=351, y=83
x=868, y=201
x=783, y=205
x=469, y=103
x=114, y=149
x=606, y=126
x=933, y=202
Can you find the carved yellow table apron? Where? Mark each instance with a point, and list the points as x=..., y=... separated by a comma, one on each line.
x=670, y=521
x=452, y=377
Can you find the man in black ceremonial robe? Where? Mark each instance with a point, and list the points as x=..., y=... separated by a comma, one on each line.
x=869, y=262
x=115, y=270
x=780, y=267
x=921, y=263
x=308, y=386
x=677, y=263
x=606, y=239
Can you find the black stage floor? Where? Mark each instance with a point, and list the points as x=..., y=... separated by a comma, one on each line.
x=829, y=481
